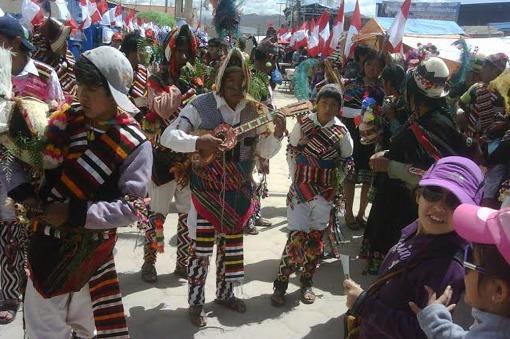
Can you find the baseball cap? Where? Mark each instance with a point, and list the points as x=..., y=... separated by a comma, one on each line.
x=459, y=175
x=117, y=70
x=11, y=28
x=484, y=225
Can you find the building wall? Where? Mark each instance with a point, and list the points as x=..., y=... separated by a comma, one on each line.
x=484, y=13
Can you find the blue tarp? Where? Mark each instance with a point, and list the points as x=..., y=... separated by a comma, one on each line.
x=425, y=26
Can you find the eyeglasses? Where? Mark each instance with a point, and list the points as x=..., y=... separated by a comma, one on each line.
x=436, y=193
x=468, y=261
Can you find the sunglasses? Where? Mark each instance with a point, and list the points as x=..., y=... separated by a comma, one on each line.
x=468, y=261
x=436, y=193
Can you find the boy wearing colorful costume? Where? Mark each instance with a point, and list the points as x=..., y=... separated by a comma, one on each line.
x=96, y=166
x=317, y=144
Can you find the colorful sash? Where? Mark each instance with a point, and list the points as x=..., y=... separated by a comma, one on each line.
x=139, y=88
x=222, y=193
x=316, y=162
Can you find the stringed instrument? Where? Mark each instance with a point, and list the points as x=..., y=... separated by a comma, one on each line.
x=230, y=134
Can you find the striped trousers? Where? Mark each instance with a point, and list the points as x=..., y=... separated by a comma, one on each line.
x=198, y=265
x=304, y=249
x=183, y=243
x=12, y=272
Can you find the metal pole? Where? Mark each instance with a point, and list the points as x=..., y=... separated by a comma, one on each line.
x=200, y=19
x=166, y=6
x=280, y=13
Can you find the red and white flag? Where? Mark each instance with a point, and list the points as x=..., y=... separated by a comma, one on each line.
x=95, y=15
x=353, y=30
x=336, y=33
x=324, y=32
x=299, y=38
x=86, y=21
x=115, y=15
x=313, y=39
x=32, y=13
x=396, y=31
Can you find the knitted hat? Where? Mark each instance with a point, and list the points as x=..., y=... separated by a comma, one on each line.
x=499, y=60
x=431, y=76
x=55, y=32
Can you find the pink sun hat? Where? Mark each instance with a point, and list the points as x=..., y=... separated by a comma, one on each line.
x=484, y=225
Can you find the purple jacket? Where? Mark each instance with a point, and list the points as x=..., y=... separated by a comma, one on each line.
x=386, y=314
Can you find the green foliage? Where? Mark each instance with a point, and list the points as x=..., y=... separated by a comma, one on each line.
x=159, y=18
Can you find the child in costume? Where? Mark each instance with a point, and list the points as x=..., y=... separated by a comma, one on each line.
x=97, y=164
x=487, y=279
x=317, y=144
x=221, y=191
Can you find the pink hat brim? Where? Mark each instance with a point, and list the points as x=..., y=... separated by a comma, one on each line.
x=470, y=222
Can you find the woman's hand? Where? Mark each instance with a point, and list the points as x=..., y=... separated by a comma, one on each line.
x=352, y=290
x=378, y=162
x=444, y=299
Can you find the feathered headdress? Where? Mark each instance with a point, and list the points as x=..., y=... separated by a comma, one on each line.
x=460, y=76
x=226, y=18
x=301, y=79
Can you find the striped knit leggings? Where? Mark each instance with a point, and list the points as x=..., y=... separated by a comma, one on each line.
x=198, y=266
x=302, y=248
x=11, y=260
x=183, y=243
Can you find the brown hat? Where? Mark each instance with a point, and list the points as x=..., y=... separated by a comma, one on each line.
x=55, y=32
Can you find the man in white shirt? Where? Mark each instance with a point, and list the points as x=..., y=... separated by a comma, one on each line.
x=221, y=190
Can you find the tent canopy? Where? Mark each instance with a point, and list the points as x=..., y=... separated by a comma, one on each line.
x=424, y=26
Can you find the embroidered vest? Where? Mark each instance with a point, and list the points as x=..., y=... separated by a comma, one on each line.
x=36, y=86
x=316, y=162
x=222, y=191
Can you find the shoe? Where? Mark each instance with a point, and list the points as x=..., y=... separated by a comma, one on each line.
x=149, y=274
x=263, y=222
x=278, y=298
x=197, y=315
x=307, y=295
x=251, y=230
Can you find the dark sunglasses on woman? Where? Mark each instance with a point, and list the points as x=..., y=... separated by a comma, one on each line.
x=436, y=193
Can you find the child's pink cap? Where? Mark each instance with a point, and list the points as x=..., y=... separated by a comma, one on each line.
x=484, y=225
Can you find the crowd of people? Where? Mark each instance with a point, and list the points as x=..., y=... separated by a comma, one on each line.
x=115, y=137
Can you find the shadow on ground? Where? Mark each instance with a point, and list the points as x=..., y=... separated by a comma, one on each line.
x=131, y=282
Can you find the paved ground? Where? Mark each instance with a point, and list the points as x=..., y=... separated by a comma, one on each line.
x=159, y=311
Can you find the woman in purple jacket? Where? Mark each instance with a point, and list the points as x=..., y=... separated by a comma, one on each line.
x=427, y=248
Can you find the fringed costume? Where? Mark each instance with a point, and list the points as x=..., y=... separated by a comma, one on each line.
x=221, y=191
x=314, y=155
x=96, y=171
x=168, y=92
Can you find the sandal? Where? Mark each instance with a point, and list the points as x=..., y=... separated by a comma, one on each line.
x=307, y=295
x=251, y=230
x=181, y=271
x=278, y=298
x=149, y=274
x=10, y=307
x=197, y=315
x=233, y=303
x=263, y=222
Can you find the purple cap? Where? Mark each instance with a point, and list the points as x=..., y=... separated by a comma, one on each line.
x=458, y=175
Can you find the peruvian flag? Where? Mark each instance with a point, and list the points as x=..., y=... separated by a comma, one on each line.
x=32, y=13
x=129, y=17
x=95, y=15
x=71, y=23
x=313, y=39
x=324, y=32
x=336, y=34
x=115, y=15
x=63, y=12
x=299, y=37
x=85, y=15
x=396, y=31
x=286, y=36
x=103, y=9
x=353, y=30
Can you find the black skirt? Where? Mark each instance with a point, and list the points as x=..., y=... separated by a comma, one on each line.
x=361, y=153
